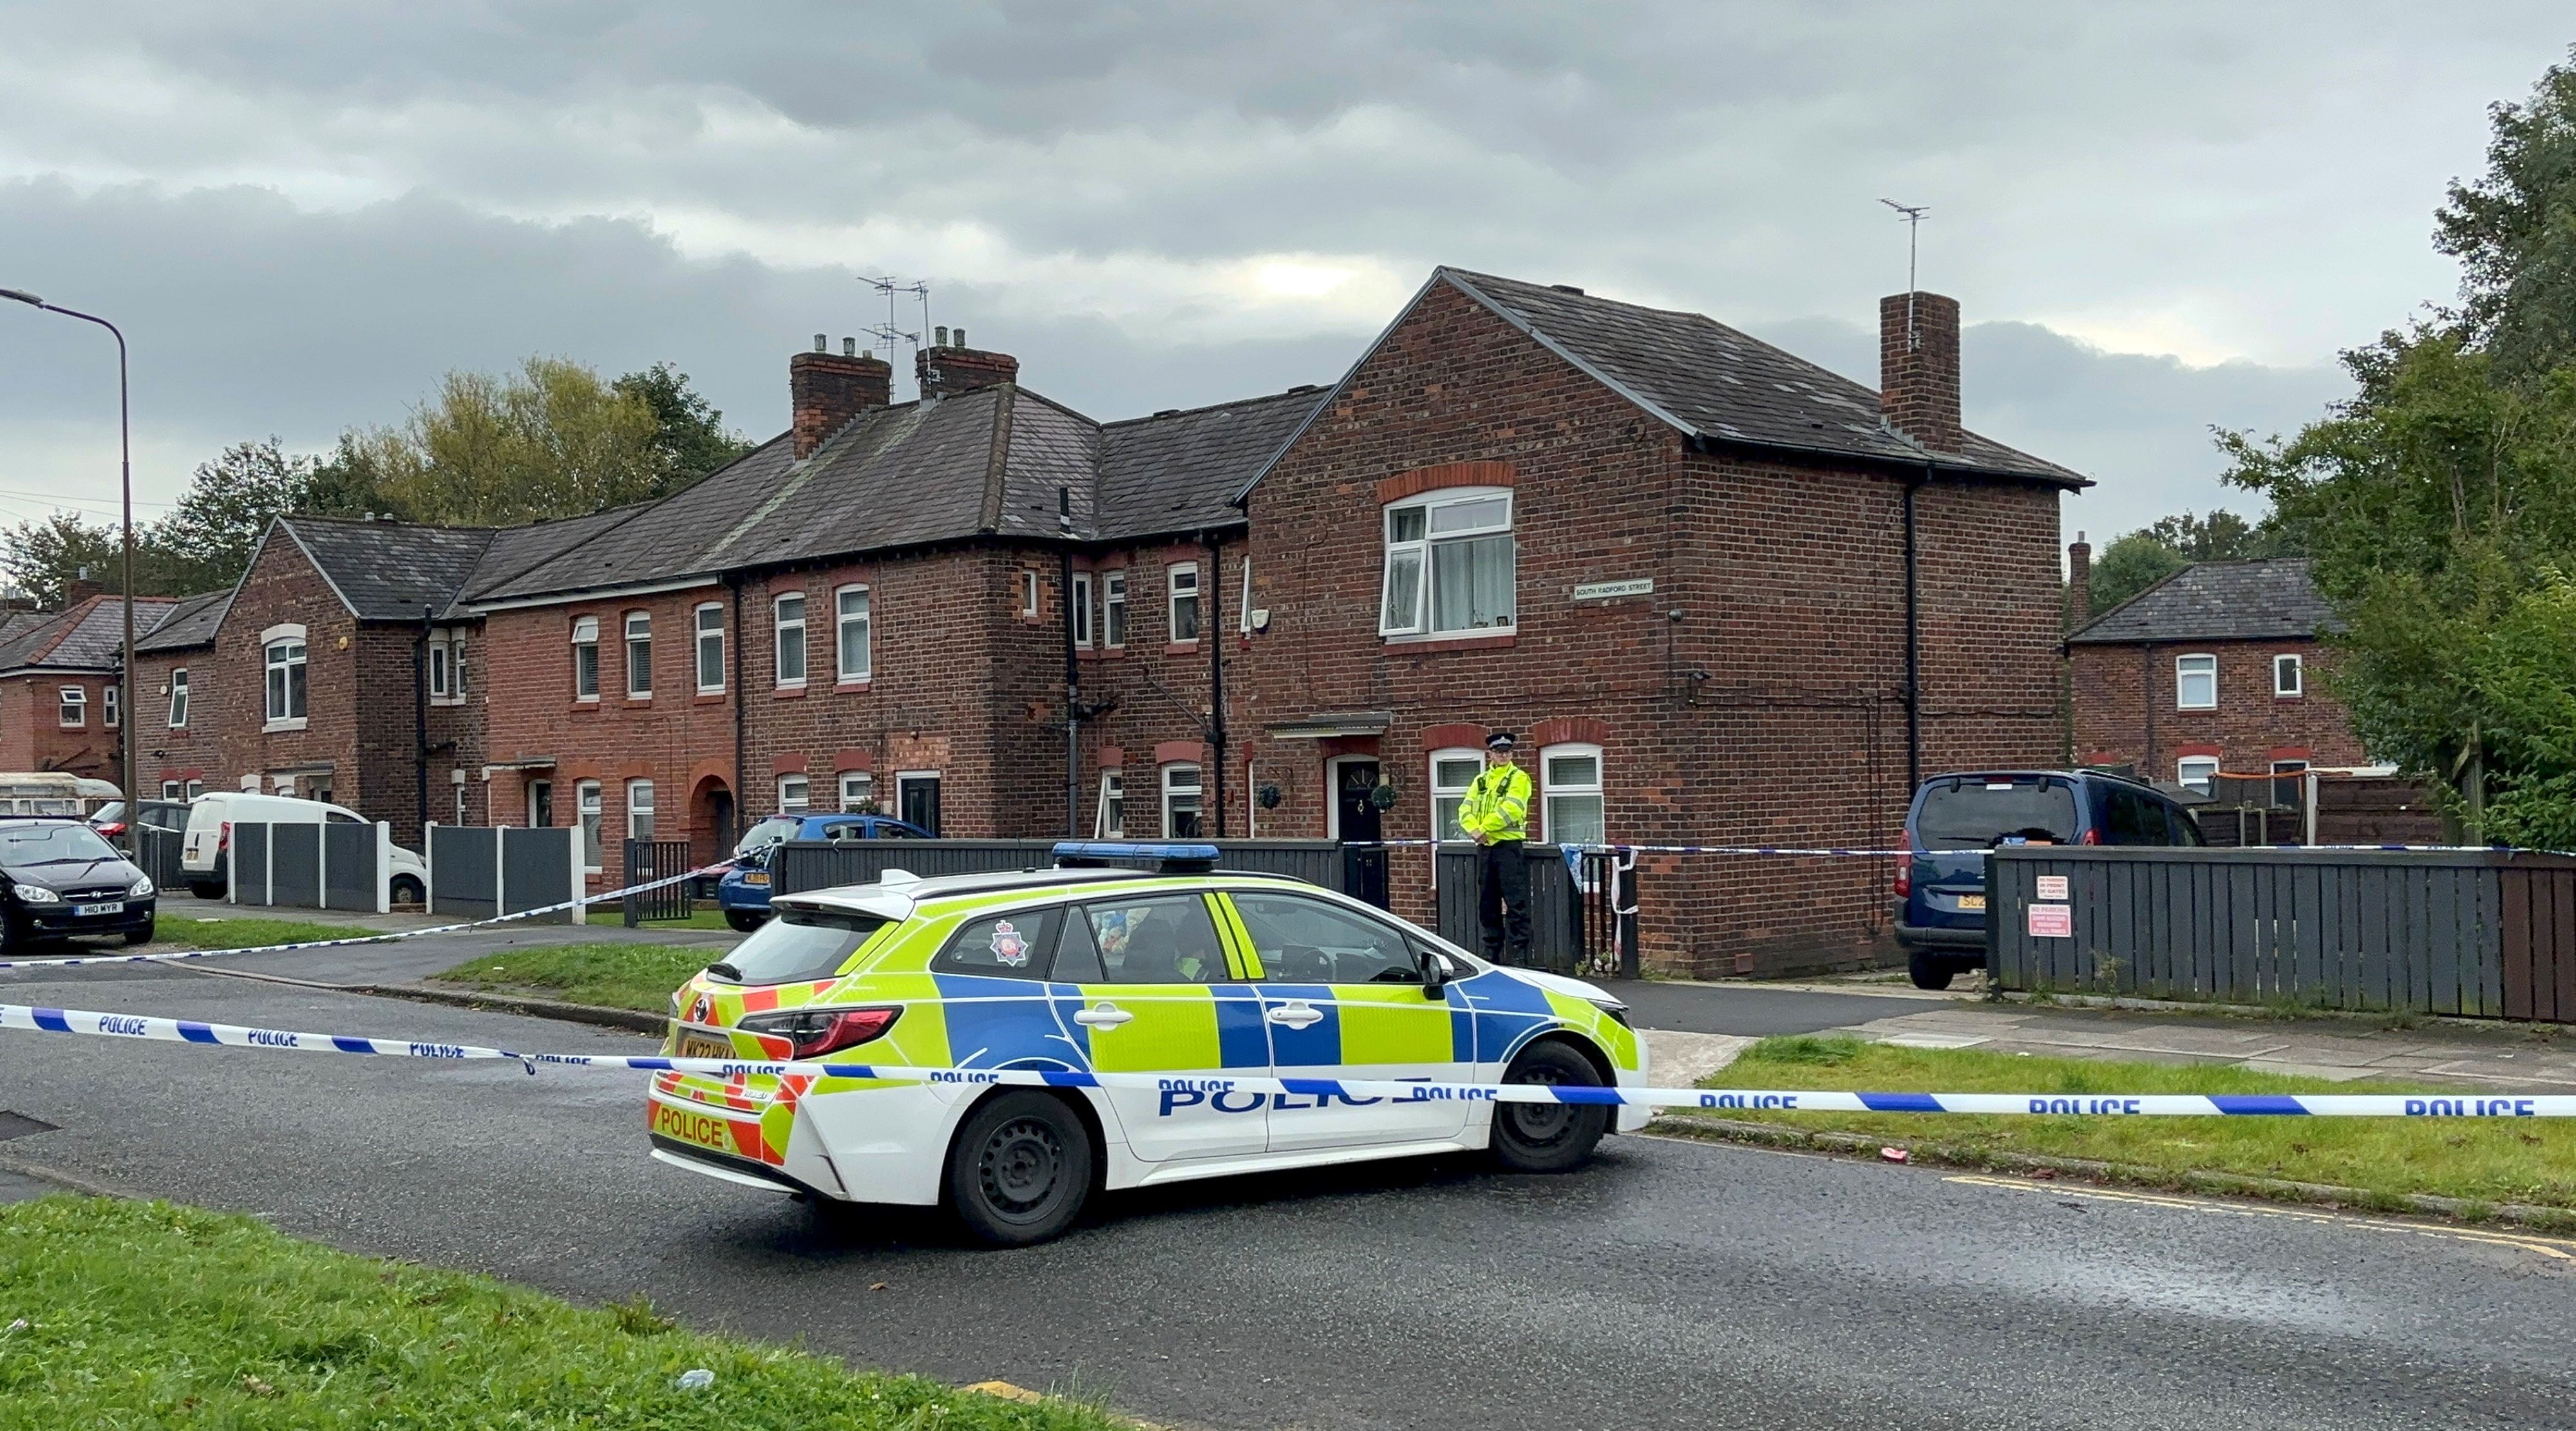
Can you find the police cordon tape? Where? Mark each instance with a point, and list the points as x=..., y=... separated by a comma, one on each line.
x=1215, y=1086
x=555, y=908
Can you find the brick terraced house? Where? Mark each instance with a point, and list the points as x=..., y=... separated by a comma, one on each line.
x=1722, y=595
x=2214, y=669
x=61, y=706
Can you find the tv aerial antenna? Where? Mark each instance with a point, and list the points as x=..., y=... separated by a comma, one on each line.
x=889, y=333
x=1913, y=216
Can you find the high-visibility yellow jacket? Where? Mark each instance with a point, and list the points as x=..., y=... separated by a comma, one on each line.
x=1497, y=804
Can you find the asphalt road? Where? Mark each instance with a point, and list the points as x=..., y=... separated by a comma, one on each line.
x=1670, y=1284
x=1753, y=1009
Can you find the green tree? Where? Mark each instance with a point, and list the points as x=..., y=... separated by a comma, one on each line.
x=551, y=440
x=45, y=557
x=2514, y=232
x=689, y=431
x=2137, y=560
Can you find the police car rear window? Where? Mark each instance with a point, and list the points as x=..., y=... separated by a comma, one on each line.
x=1016, y=945
x=1977, y=814
x=799, y=944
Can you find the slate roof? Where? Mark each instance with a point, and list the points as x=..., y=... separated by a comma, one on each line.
x=390, y=571
x=2217, y=601
x=1709, y=380
x=1175, y=470
x=88, y=637
x=190, y=623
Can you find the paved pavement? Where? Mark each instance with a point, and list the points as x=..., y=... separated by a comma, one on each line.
x=1669, y=1284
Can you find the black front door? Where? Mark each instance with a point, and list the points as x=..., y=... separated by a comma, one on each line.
x=917, y=801
x=541, y=804
x=1353, y=782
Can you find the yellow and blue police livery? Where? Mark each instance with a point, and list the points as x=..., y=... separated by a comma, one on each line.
x=1197, y=976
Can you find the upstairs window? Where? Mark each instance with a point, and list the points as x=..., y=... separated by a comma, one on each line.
x=639, y=656
x=710, y=633
x=2289, y=676
x=585, y=659
x=179, y=698
x=791, y=639
x=111, y=702
x=438, y=668
x=74, y=710
x=856, y=653
x=1029, y=593
x=1113, y=608
x=1082, y=608
x=1183, y=586
x=284, y=661
x=456, y=666
x=1449, y=564
x=2196, y=683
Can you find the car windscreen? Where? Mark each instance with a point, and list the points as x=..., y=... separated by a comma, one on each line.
x=768, y=832
x=53, y=844
x=1975, y=814
x=798, y=944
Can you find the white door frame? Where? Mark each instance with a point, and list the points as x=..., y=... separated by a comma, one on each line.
x=1333, y=791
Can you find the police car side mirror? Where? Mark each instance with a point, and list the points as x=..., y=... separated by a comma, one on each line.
x=1435, y=972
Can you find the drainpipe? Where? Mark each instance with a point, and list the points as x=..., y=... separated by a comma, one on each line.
x=1913, y=643
x=1072, y=671
x=725, y=838
x=1215, y=626
x=420, y=717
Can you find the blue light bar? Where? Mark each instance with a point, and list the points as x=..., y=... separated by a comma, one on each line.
x=1170, y=858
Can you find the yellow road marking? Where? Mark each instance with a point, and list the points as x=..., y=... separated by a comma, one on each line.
x=2558, y=1247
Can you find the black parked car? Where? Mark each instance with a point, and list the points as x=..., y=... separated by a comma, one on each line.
x=60, y=877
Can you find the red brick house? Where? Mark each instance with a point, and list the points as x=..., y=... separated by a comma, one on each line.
x=61, y=706
x=1723, y=596
x=2213, y=669
x=177, y=752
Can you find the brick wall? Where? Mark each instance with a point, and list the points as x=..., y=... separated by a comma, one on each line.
x=1771, y=712
x=33, y=737
x=2125, y=712
x=164, y=753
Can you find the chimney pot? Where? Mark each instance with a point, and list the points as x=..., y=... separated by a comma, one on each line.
x=2079, y=582
x=825, y=390
x=1918, y=367
x=849, y=347
x=959, y=337
x=939, y=336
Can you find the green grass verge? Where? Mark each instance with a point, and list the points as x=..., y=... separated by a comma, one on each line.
x=610, y=975
x=2509, y=1160
x=698, y=919
x=192, y=933
x=145, y=1314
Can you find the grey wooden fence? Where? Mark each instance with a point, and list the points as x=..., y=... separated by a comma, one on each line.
x=2468, y=932
x=1556, y=906
x=478, y=871
x=309, y=865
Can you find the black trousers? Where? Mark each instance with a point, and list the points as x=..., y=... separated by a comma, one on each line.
x=1502, y=901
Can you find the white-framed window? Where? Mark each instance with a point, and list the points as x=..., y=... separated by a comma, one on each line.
x=1243, y=608
x=1082, y=608
x=74, y=707
x=2196, y=683
x=173, y=790
x=709, y=634
x=111, y=705
x=1570, y=780
x=460, y=805
x=438, y=668
x=585, y=659
x=2289, y=767
x=1183, y=817
x=179, y=698
x=639, y=809
x=794, y=792
x=1029, y=592
x=1449, y=564
x=283, y=659
x=1181, y=594
x=2194, y=771
x=639, y=656
x=788, y=652
x=585, y=804
x=1452, y=771
x=854, y=648
x=456, y=665
x=1110, y=822
x=2289, y=675
x=1113, y=609
x=196, y=788
x=858, y=792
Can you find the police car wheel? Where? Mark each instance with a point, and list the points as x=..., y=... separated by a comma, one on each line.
x=1020, y=1169
x=1548, y=1137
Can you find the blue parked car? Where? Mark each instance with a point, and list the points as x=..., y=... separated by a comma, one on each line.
x=743, y=893
x=1941, y=899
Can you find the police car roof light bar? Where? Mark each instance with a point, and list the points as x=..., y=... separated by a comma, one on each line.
x=1168, y=858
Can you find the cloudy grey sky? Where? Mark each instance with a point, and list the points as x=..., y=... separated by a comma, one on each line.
x=2158, y=217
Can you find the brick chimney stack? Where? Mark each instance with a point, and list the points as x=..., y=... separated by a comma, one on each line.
x=825, y=390
x=947, y=368
x=1918, y=367
x=2079, y=582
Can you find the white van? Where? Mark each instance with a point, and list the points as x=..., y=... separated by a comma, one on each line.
x=205, y=855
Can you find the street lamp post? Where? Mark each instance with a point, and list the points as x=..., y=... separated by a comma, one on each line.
x=125, y=483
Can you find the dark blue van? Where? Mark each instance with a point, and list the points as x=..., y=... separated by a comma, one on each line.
x=1941, y=899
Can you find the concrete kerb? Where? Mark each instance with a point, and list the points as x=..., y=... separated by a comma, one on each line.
x=598, y=1014
x=1727, y=1130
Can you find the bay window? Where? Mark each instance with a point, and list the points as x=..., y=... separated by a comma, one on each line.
x=1449, y=564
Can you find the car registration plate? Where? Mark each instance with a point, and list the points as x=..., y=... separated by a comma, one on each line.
x=706, y=1046
x=689, y=1126
x=1972, y=903
x=112, y=906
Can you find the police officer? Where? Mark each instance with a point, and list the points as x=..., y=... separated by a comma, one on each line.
x=1495, y=815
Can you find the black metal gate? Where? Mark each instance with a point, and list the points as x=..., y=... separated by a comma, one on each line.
x=1364, y=873
x=647, y=861
x=1607, y=914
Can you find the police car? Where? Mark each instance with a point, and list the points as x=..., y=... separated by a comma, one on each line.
x=1176, y=968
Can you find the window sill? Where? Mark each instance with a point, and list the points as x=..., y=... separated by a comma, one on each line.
x=788, y=693
x=2290, y=696
x=858, y=687
x=2195, y=710
x=75, y=727
x=1431, y=645
x=639, y=700
x=1180, y=648
x=288, y=723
